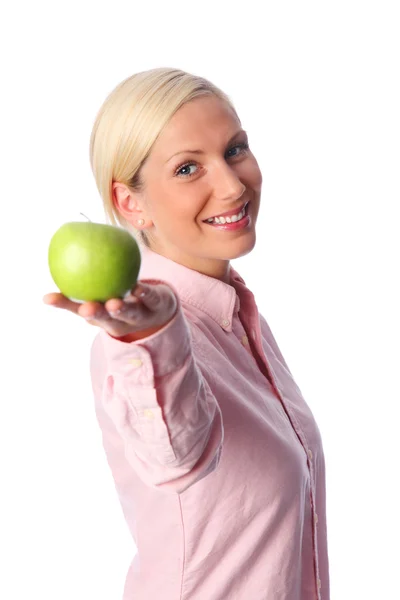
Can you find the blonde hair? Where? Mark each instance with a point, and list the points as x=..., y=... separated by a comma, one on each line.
x=129, y=122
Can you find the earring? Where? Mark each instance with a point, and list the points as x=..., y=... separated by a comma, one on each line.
x=140, y=222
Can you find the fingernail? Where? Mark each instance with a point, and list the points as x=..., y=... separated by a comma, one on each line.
x=142, y=290
x=115, y=312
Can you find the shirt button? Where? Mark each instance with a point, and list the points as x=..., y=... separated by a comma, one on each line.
x=245, y=340
x=310, y=454
x=136, y=362
x=148, y=413
x=319, y=583
x=225, y=322
x=316, y=518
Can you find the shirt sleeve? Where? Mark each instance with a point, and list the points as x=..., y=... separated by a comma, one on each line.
x=160, y=404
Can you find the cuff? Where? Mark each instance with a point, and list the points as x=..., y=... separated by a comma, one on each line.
x=154, y=356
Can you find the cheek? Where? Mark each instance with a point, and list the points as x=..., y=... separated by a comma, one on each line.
x=185, y=202
x=179, y=208
x=252, y=175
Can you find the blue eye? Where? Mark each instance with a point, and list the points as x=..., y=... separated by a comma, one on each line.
x=243, y=148
x=183, y=167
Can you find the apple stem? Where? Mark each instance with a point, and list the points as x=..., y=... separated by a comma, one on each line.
x=85, y=217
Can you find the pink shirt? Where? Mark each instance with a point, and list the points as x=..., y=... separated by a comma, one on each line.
x=216, y=457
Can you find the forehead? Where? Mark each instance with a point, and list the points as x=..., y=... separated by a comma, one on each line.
x=203, y=120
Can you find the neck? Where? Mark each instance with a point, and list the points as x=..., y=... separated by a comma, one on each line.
x=218, y=269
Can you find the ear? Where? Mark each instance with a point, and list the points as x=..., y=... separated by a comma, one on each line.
x=127, y=202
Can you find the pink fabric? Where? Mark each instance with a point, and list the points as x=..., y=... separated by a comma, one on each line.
x=216, y=457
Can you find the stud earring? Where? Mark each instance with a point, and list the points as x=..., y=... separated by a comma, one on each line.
x=140, y=222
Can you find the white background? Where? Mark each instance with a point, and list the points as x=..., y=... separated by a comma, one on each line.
x=316, y=85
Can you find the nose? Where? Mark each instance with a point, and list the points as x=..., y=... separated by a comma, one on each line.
x=226, y=183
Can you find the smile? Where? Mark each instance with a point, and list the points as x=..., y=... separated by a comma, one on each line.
x=229, y=219
x=233, y=222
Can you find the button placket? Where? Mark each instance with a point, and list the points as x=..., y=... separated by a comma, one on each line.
x=304, y=442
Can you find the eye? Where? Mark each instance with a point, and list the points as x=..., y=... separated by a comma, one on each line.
x=184, y=170
x=243, y=147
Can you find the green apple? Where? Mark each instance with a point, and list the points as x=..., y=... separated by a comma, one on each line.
x=93, y=262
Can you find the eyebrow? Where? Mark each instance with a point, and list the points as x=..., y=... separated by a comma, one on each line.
x=201, y=151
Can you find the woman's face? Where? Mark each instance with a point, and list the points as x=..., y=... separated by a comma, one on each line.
x=199, y=167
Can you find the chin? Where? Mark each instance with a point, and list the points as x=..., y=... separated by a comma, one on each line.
x=242, y=249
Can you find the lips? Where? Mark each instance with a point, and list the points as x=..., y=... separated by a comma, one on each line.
x=229, y=213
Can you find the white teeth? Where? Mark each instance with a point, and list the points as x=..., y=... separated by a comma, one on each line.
x=232, y=219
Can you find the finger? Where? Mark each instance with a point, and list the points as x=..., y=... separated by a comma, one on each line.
x=93, y=310
x=116, y=304
x=60, y=301
x=148, y=295
x=129, y=312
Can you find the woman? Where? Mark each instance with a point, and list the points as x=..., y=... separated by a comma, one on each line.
x=215, y=455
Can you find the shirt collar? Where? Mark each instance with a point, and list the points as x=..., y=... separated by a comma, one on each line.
x=219, y=300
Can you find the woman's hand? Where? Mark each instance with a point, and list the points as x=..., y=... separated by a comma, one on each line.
x=147, y=308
